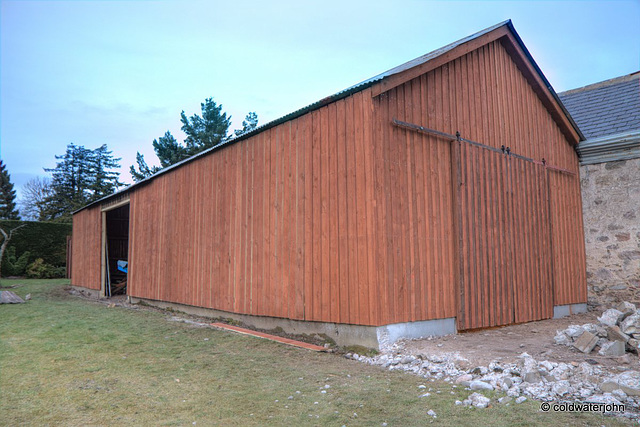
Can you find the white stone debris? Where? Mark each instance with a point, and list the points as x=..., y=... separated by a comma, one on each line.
x=541, y=380
x=610, y=317
x=478, y=400
x=480, y=385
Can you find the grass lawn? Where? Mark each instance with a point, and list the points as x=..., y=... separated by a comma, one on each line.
x=68, y=361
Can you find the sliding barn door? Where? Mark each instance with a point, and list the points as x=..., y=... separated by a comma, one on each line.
x=504, y=239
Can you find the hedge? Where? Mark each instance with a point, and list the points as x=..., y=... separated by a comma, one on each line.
x=46, y=240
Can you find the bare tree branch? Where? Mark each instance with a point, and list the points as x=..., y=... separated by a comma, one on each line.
x=5, y=241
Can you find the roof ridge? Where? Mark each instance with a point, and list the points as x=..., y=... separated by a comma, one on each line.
x=628, y=77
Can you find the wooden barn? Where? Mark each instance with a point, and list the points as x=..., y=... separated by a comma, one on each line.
x=439, y=196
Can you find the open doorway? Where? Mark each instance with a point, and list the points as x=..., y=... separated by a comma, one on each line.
x=116, y=250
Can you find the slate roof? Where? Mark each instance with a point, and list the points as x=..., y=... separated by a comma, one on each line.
x=605, y=108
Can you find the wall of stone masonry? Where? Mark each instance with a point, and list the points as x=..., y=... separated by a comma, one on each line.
x=611, y=206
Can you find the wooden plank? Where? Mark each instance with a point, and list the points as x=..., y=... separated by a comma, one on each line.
x=281, y=241
x=284, y=223
x=380, y=148
x=419, y=302
x=410, y=227
x=360, y=163
x=354, y=303
x=316, y=219
x=270, y=337
x=389, y=190
x=333, y=190
x=447, y=242
x=434, y=158
x=297, y=284
x=325, y=251
x=442, y=189
x=270, y=221
x=308, y=199
x=370, y=209
x=238, y=281
x=401, y=215
x=344, y=263
x=247, y=227
x=258, y=288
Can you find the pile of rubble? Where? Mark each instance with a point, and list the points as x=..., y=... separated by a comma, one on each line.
x=617, y=333
x=542, y=380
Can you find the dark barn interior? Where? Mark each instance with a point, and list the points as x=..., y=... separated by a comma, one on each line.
x=117, y=249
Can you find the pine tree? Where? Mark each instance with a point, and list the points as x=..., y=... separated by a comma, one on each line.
x=203, y=132
x=80, y=177
x=169, y=152
x=8, y=208
x=206, y=131
x=249, y=123
x=144, y=171
x=105, y=178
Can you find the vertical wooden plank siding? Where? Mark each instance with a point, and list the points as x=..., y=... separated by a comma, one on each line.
x=506, y=239
x=277, y=225
x=338, y=216
x=568, y=235
x=85, y=247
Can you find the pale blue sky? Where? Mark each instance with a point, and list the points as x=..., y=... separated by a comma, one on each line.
x=120, y=72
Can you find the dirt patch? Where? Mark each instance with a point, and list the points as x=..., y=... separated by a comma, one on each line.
x=506, y=343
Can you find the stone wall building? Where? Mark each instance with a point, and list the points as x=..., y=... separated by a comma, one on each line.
x=608, y=113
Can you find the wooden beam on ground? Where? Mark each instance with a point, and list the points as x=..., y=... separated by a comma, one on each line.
x=268, y=337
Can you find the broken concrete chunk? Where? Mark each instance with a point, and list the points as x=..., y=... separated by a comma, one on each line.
x=8, y=297
x=629, y=382
x=464, y=378
x=561, y=388
x=609, y=385
x=586, y=342
x=507, y=382
x=532, y=377
x=480, y=385
x=574, y=331
x=610, y=317
x=478, y=400
x=562, y=339
x=615, y=334
x=601, y=332
x=607, y=399
x=631, y=325
x=633, y=345
x=626, y=308
x=613, y=349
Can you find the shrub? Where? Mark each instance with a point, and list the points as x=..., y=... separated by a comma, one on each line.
x=38, y=269
x=15, y=266
x=46, y=240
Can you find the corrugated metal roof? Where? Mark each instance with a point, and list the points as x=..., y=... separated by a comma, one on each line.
x=349, y=91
